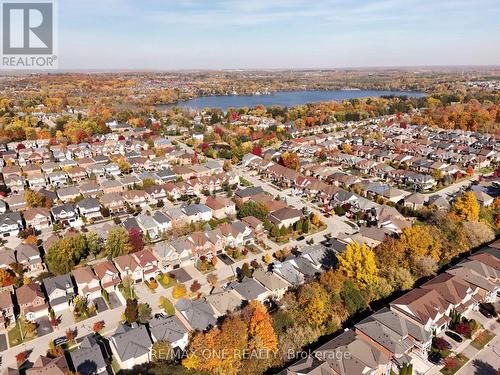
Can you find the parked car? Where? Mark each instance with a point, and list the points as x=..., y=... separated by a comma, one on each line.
x=300, y=238
x=488, y=308
x=160, y=316
x=60, y=341
x=454, y=336
x=435, y=358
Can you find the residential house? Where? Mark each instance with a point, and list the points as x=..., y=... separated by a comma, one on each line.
x=148, y=226
x=66, y=214
x=425, y=307
x=199, y=313
x=454, y=290
x=7, y=317
x=31, y=301
x=113, y=202
x=91, y=357
x=60, y=290
x=285, y=217
x=148, y=263
x=29, y=257
x=10, y=224
x=171, y=330
x=89, y=208
x=128, y=266
x=224, y=301
x=7, y=257
x=479, y=275
x=45, y=365
x=363, y=358
x=256, y=225
x=38, y=218
x=276, y=285
x=197, y=212
x=130, y=346
x=221, y=207
x=68, y=194
x=87, y=283
x=108, y=275
x=250, y=289
x=395, y=336
x=136, y=198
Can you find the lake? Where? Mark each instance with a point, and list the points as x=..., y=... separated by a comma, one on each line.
x=282, y=98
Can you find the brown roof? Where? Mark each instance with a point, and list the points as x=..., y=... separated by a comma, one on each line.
x=5, y=299
x=424, y=304
x=106, y=267
x=126, y=261
x=28, y=293
x=488, y=259
x=452, y=288
x=46, y=366
x=31, y=213
x=214, y=203
x=252, y=221
x=84, y=275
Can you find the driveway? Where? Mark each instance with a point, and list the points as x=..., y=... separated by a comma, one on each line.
x=114, y=301
x=225, y=259
x=3, y=342
x=44, y=326
x=142, y=291
x=100, y=304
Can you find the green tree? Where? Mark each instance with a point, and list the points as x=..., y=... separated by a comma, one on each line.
x=117, y=243
x=245, y=271
x=94, y=243
x=252, y=208
x=66, y=253
x=306, y=226
x=352, y=297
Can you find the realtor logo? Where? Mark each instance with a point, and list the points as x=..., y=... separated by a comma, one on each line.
x=28, y=35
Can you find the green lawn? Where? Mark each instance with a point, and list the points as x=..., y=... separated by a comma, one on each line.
x=14, y=336
x=461, y=361
x=482, y=339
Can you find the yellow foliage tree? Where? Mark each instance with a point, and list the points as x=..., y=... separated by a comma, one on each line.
x=466, y=207
x=420, y=241
x=179, y=291
x=358, y=262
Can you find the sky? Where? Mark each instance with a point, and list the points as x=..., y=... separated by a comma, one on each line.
x=276, y=34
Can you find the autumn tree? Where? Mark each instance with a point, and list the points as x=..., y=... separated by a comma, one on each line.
x=420, y=241
x=135, y=239
x=179, y=291
x=466, y=207
x=144, y=313
x=290, y=160
x=131, y=311
x=98, y=326
x=312, y=298
x=358, y=262
x=162, y=351
x=118, y=243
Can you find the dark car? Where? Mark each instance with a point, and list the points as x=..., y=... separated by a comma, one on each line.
x=488, y=307
x=60, y=341
x=300, y=238
x=435, y=358
x=485, y=313
x=160, y=316
x=454, y=336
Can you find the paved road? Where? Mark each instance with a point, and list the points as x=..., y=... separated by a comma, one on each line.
x=454, y=188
